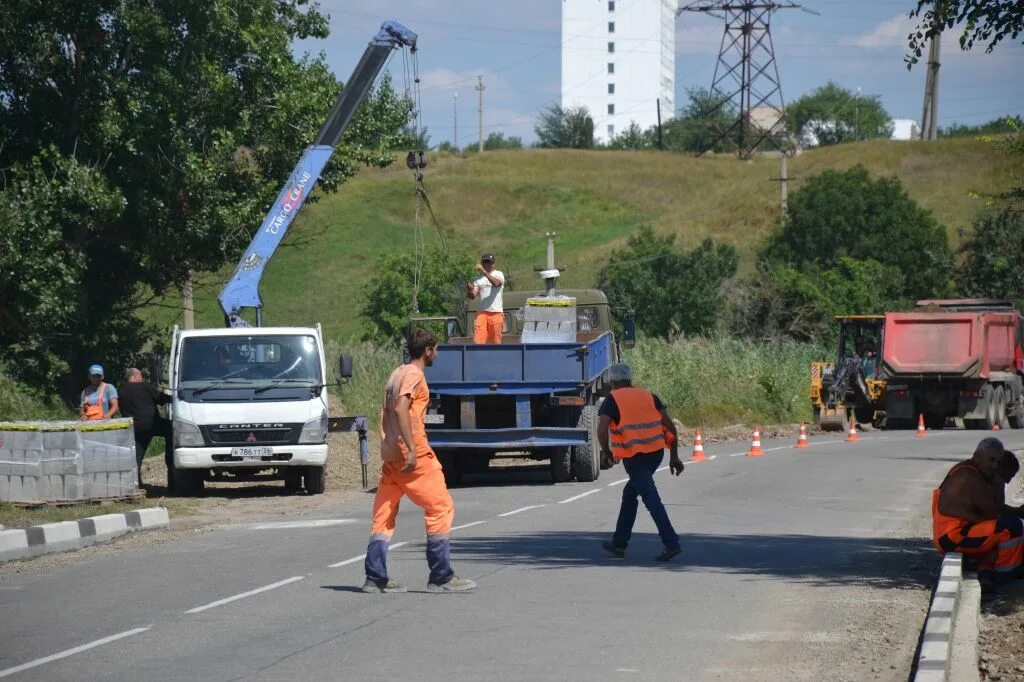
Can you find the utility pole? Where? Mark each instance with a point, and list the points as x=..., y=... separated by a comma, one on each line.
x=480, y=89
x=783, y=180
x=659, y=124
x=930, y=112
x=455, y=95
x=186, y=294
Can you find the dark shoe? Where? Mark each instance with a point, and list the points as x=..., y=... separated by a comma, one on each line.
x=454, y=585
x=668, y=552
x=617, y=552
x=378, y=586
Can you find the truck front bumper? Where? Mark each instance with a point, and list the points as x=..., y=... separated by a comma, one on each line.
x=507, y=439
x=221, y=457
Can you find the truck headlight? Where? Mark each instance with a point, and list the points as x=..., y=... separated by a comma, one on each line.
x=315, y=430
x=187, y=435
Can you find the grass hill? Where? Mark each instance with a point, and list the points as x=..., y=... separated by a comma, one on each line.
x=506, y=201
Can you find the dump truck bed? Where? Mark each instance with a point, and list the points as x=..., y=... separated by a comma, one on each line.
x=949, y=345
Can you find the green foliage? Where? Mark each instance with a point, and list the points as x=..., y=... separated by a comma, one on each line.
x=993, y=256
x=569, y=128
x=634, y=138
x=497, y=140
x=671, y=290
x=848, y=214
x=447, y=146
x=984, y=21
x=832, y=114
x=20, y=403
x=418, y=140
x=997, y=126
x=144, y=142
x=389, y=294
x=693, y=130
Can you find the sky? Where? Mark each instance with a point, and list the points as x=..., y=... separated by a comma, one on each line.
x=516, y=47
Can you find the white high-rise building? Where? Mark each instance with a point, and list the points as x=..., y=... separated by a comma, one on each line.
x=618, y=60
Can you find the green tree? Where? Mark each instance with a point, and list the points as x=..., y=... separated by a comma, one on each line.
x=997, y=126
x=672, y=291
x=497, y=140
x=848, y=214
x=568, y=128
x=447, y=146
x=634, y=138
x=694, y=129
x=984, y=21
x=418, y=140
x=187, y=117
x=832, y=114
x=992, y=252
x=389, y=294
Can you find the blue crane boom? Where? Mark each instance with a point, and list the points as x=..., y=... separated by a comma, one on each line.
x=242, y=290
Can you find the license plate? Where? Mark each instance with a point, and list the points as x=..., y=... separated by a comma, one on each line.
x=433, y=419
x=252, y=453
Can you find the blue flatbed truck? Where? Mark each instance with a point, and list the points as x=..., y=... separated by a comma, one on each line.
x=540, y=400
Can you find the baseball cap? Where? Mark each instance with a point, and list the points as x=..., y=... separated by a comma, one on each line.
x=96, y=369
x=487, y=256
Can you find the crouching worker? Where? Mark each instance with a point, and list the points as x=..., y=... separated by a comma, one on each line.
x=411, y=468
x=635, y=428
x=969, y=516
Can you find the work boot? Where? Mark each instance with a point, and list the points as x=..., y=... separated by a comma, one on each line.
x=617, y=552
x=668, y=552
x=456, y=584
x=372, y=586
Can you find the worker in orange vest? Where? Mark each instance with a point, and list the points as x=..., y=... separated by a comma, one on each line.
x=636, y=428
x=411, y=469
x=970, y=516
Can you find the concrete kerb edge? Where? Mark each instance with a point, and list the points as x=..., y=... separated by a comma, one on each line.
x=63, y=536
x=935, y=654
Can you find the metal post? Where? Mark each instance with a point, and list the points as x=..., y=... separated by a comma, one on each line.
x=782, y=182
x=480, y=89
x=930, y=109
x=456, y=107
x=186, y=294
x=550, y=281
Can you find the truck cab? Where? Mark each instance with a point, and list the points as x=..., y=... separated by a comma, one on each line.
x=248, y=404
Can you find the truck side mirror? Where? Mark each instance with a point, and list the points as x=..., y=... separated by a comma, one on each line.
x=629, y=330
x=345, y=366
x=156, y=368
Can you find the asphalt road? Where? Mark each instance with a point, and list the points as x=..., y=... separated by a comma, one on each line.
x=804, y=564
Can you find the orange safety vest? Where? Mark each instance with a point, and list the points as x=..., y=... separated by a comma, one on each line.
x=94, y=411
x=639, y=427
x=942, y=524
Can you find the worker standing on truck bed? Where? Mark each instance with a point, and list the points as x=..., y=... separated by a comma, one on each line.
x=968, y=515
x=490, y=316
x=640, y=430
x=410, y=468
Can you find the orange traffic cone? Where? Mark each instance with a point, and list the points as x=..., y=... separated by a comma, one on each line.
x=921, y=433
x=801, y=441
x=852, y=436
x=698, y=449
x=755, y=443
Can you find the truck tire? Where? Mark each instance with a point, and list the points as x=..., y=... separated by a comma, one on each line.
x=293, y=481
x=1001, y=402
x=586, y=459
x=561, y=465
x=316, y=480
x=1015, y=414
x=992, y=400
x=186, y=482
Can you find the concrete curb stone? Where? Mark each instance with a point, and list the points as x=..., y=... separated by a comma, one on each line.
x=935, y=654
x=70, y=535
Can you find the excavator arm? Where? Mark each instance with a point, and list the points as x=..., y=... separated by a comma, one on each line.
x=242, y=290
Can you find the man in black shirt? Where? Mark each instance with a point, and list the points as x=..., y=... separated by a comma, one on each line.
x=139, y=400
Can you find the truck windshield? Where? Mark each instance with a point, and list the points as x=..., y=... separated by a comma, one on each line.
x=232, y=362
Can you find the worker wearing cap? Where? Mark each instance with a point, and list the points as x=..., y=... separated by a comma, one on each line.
x=490, y=316
x=99, y=399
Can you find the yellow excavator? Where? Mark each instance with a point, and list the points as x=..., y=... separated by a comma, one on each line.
x=851, y=386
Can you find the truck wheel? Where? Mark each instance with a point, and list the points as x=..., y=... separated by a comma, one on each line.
x=1015, y=414
x=293, y=481
x=992, y=403
x=186, y=482
x=316, y=480
x=586, y=459
x=1001, y=408
x=561, y=465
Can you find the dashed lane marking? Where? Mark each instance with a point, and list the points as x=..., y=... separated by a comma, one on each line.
x=243, y=595
x=468, y=525
x=354, y=559
x=522, y=509
x=72, y=652
x=576, y=497
x=288, y=525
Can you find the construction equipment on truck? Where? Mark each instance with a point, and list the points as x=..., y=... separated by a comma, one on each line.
x=250, y=403
x=851, y=386
x=960, y=359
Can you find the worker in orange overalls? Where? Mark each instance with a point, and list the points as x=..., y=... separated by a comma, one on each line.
x=412, y=471
x=635, y=427
x=490, y=315
x=969, y=516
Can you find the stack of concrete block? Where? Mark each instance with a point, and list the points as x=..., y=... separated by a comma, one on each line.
x=549, y=319
x=50, y=461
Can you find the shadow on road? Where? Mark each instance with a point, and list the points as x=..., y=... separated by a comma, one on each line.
x=902, y=563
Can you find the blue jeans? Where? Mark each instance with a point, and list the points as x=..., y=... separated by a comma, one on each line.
x=641, y=470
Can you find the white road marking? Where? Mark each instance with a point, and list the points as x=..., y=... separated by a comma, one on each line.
x=354, y=559
x=71, y=652
x=396, y=546
x=522, y=509
x=243, y=595
x=615, y=483
x=576, y=497
x=318, y=523
x=467, y=525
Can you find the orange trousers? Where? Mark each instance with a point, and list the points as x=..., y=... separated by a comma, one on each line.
x=487, y=327
x=424, y=486
x=998, y=544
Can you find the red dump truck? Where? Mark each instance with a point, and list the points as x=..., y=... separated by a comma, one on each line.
x=959, y=358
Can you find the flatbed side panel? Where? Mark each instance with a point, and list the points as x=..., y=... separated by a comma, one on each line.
x=553, y=362
x=1000, y=337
